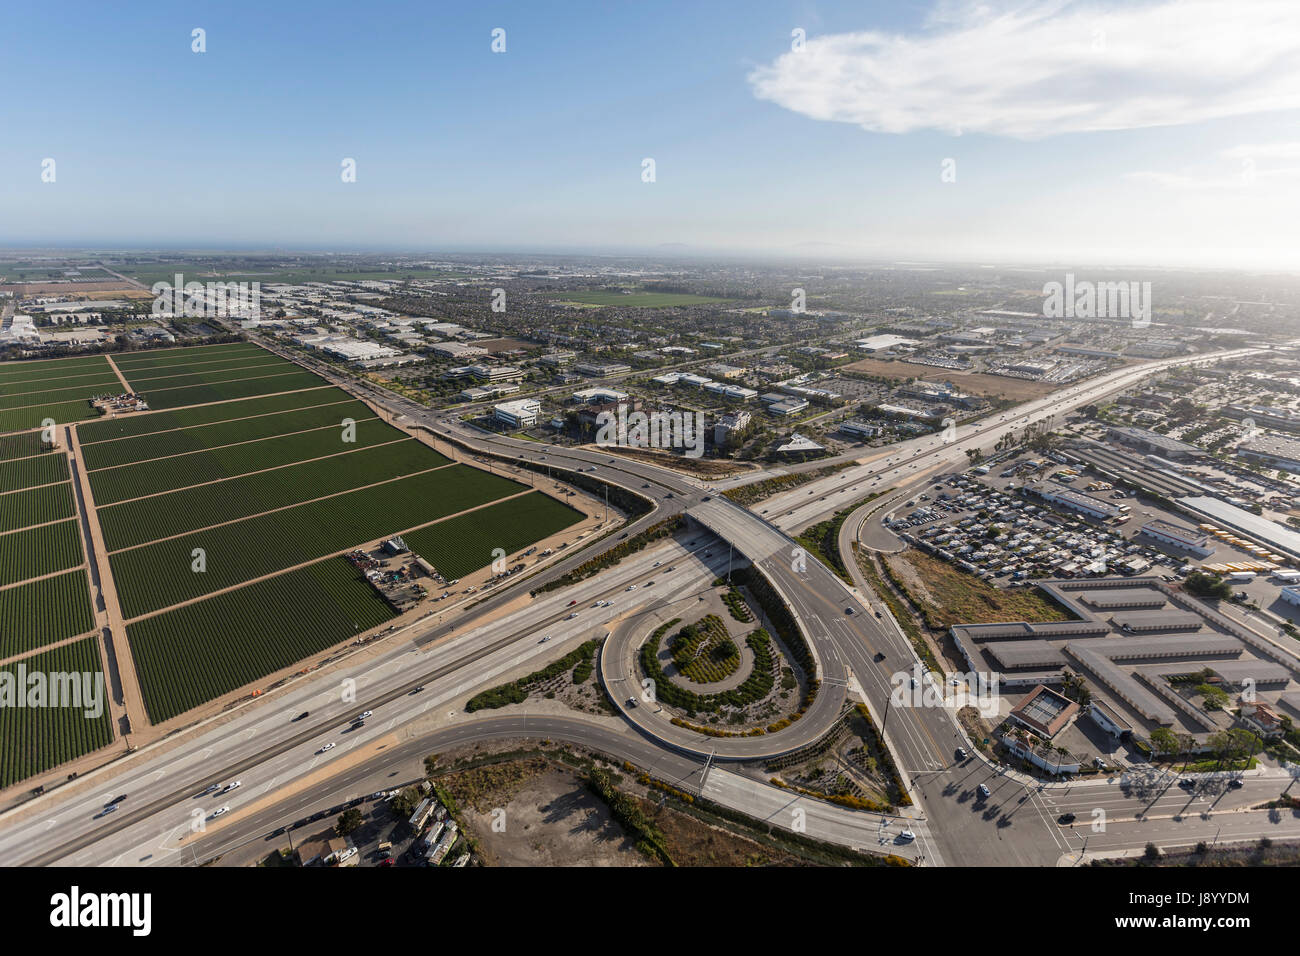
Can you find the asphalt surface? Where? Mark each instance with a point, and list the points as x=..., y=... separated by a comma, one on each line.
x=272, y=755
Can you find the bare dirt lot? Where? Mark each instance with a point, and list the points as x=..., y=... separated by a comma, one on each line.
x=977, y=383
x=551, y=818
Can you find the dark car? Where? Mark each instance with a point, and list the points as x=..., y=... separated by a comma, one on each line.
x=116, y=800
x=880, y=655
x=1234, y=784
x=418, y=689
x=1065, y=818
x=300, y=716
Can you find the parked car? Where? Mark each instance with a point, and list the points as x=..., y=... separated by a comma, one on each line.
x=1065, y=818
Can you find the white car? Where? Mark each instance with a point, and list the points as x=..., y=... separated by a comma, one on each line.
x=348, y=854
x=983, y=790
x=544, y=639
x=572, y=616
x=631, y=587
x=907, y=836
x=219, y=811
x=232, y=786
x=366, y=714
x=328, y=746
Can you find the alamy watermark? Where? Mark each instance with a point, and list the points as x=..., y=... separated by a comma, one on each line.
x=1098, y=300
x=41, y=690
x=207, y=299
x=663, y=430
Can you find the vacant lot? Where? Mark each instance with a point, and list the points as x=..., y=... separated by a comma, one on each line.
x=550, y=817
x=977, y=383
x=951, y=596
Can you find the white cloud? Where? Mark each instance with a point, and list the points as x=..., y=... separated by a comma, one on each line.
x=1036, y=68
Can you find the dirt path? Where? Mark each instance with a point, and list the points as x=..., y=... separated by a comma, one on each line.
x=126, y=386
x=126, y=699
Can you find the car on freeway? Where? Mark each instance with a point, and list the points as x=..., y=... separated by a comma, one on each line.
x=880, y=656
x=1065, y=818
x=631, y=701
x=571, y=603
x=631, y=587
x=212, y=789
x=300, y=716
x=364, y=714
x=648, y=583
x=907, y=836
x=329, y=746
x=108, y=809
x=544, y=639
x=118, y=799
x=848, y=610
x=572, y=616
x=219, y=811
x=233, y=786
x=656, y=564
x=418, y=689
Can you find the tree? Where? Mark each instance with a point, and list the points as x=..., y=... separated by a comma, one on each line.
x=349, y=821
x=1164, y=740
x=1152, y=852
x=430, y=765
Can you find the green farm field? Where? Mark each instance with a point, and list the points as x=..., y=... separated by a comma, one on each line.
x=43, y=612
x=158, y=575
x=111, y=485
x=20, y=509
x=20, y=473
x=464, y=544
x=33, y=739
x=180, y=441
x=57, y=389
x=194, y=654
x=109, y=429
x=190, y=509
x=39, y=551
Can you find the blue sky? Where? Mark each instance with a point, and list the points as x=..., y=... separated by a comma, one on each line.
x=1165, y=131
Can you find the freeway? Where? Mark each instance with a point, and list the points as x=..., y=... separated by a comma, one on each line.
x=853, y=651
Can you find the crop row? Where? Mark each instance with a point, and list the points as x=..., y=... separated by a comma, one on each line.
x=194, y=654
x=464, y=544
x=183, y=471
x=23, y=445
x=42, y=612
x=20, y=509
x=159, y=575
x=113, y=428
x=104, y=377
x=148, y=519
x=239, y=388
x=47, y=369
x=63, y=724
x=178, y=441
x=20, y=419
x=29, y=472
x=158, y=379
x=182, y=355
x=55, y=396
x=39, y=551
